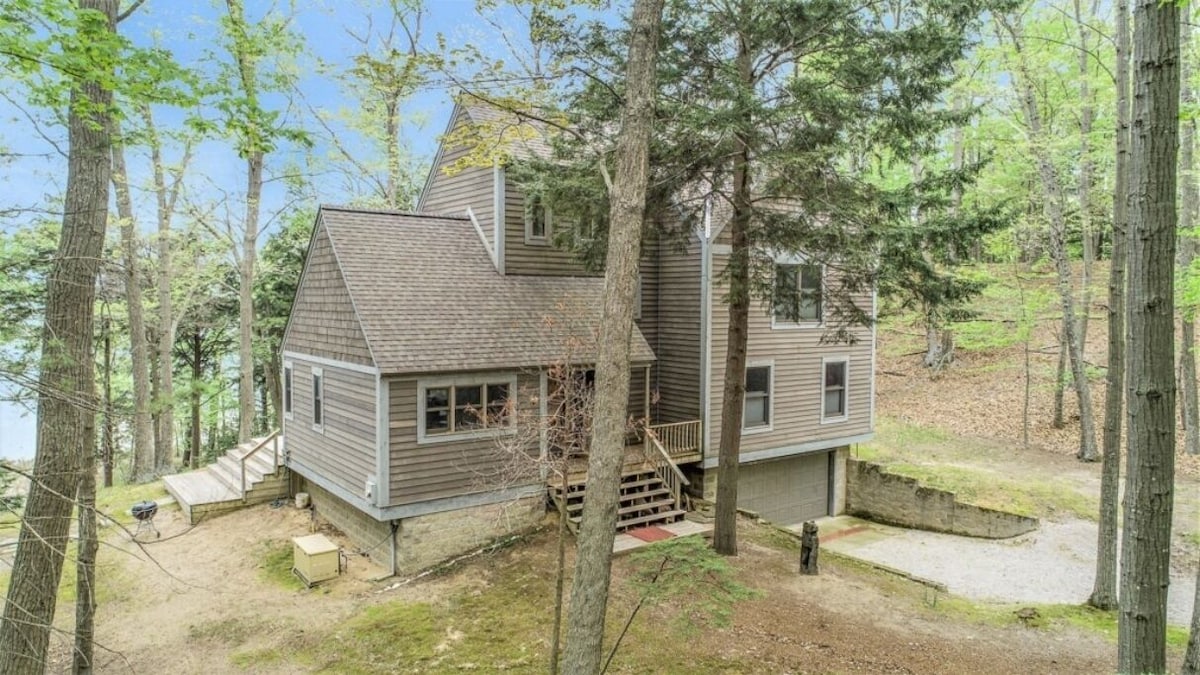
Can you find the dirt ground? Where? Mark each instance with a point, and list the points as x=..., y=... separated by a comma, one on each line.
x=203, y=604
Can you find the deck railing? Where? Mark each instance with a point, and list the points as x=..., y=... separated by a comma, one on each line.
x=665, y=468
x=678, y=438
x=273, y=439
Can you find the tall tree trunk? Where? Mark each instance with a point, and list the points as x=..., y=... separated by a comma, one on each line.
x=1191, y=657
x=106, y=452
x=139, y=347
x=275, y=390
x=593, y=562
x=254, y=170
x=166, y=197
x=1104, y=589
x=85, y=569
x=1057, y=416
x=1086, y=114
x=197, y=377
x=1150, y=391
x=1190, y=193
x=733, y=396
x=66, y=391
x=1052, y=189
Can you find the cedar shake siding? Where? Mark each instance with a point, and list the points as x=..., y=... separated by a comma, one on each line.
x=678, y=329
x=343, y=451
x=521, y=257
x=469, y=188
x=796, y=356
x=323, y=320
x=435, y=468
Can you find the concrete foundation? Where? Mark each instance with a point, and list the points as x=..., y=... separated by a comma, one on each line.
x=423, y=541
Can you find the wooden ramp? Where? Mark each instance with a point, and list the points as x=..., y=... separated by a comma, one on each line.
x=251, y=473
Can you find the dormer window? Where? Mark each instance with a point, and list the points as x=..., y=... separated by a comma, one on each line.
x=537, y=220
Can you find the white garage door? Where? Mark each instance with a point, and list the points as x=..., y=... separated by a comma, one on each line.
x=786, y=491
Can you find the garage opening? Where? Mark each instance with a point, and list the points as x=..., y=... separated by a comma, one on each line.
x=787, y=491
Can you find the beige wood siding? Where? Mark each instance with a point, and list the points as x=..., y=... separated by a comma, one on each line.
x=678, y=330
x=323, y=320
x=796, y=355
x=533, y=259
x=434, y=470
x=471, y=187
x=344, y=451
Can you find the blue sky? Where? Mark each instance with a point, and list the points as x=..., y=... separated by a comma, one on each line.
x=36, y=178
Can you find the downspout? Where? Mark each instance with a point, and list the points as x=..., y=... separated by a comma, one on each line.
x=395, y=524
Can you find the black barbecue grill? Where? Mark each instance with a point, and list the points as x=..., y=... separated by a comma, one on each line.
x=144, y=513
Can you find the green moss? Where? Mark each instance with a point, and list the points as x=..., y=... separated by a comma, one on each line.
x=276, y=564
x=1050, y=616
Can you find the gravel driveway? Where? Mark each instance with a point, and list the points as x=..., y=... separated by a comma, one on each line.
x=1053, y=564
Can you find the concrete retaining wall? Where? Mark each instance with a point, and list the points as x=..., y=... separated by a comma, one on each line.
x=875, y=494
x=424, y=541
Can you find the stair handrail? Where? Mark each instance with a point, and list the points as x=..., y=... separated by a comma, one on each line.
x=665, y=468
x=273, y=436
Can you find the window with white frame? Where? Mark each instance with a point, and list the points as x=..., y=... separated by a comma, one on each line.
x=834, y=388
x=287, y=390
x=464, y=407
x=537, y=220
x=756, y=413
x=318, y=398
x=798, y=292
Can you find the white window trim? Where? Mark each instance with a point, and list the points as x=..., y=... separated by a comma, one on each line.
x=796, y=259
x=289, y=397
x=529, y=236
x=315, y=373
x=461, y=380
x=770, y=425
x=845, y=390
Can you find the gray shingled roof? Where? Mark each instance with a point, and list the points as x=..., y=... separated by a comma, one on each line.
x=525, y=137
x=429, y=298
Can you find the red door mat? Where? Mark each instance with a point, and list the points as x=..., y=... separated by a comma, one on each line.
x=651, y=533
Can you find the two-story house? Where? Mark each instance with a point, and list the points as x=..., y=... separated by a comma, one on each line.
x=407, y=326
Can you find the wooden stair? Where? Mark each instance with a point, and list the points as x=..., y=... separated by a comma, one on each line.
x=217, y=488
x=644, y=500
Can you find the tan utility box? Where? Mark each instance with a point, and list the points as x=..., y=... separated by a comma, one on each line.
x=314, y=558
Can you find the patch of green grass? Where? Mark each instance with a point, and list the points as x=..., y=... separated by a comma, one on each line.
x=276, y=564
x=115, y=501
x=1051, y=616
x=1033, y=498
x=926, y=453
x=257, y=658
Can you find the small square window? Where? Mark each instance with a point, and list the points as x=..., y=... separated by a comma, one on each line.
x=798, y=292
x=537, y=220
x=757, y=410
x=833, y=404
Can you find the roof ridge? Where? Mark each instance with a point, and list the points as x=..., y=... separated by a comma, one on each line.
x=393, y=212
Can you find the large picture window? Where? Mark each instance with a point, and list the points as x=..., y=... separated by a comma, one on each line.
x=757, y=411
x=833, y=389
x=457, y=408
x=798, y=292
